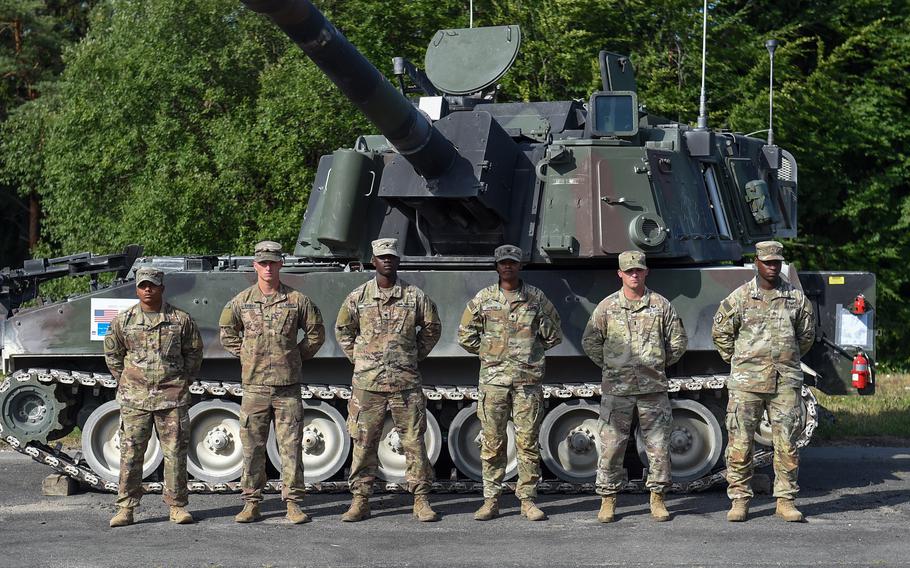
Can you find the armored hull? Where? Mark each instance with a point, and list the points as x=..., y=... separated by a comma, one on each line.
x=55, y=363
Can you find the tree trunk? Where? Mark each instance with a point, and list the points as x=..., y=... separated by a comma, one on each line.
x=34, y=215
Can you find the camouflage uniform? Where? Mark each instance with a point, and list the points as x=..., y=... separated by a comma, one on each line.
x=511, y=339
x=154, y=356
x=634, y=341
x=262, y=331
x=378, y=331
x=763, y=334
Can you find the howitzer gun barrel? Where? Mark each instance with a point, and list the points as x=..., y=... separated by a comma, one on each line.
x=396, y=118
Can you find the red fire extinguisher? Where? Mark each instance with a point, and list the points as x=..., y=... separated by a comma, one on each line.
x=859, y=305
x=861, y=373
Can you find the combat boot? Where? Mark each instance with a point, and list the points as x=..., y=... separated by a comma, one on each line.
x=359, y=511
x=607, y=513
x=489, y=510
x=658, y=508
x=786, y=509
x=739, y=511
x=295, y=515
x=123, y=517
x=532, y=511
x=249, y=513
x=422, y=509
x=181, y=516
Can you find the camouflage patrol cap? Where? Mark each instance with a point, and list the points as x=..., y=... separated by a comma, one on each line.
x=769, y=250
x=385, y=246
x=149, y=274
x=507, y=252
x=632, y=259
x=268, y=251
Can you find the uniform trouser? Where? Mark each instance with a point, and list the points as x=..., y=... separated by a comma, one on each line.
x=366, y=415
x=173, y=427
x=744, y=414
x=259, y=406
x=655, y=418
x=524, y=406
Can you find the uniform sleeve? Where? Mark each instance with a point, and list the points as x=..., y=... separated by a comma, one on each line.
x=430, y=327
x=115, y=348
x=805, y=327
x=191, y=342
x=675, y=338
x=470, y=330
x=310, y=321
x=231, y=325
x=726, y=327
x=347, y=327
x=550, y=332
x=592, y=341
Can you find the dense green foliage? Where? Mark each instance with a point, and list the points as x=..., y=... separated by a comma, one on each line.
x=33, y=35
x=195, y=126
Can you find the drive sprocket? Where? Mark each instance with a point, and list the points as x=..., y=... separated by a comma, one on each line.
x=31, y=410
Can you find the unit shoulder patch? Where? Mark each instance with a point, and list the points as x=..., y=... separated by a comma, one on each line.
x=725, y=310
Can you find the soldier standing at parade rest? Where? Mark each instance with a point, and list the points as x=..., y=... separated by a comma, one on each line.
x=763, y=329
x=260, y=325
x=634, y=334
x=154, y=351
x=385, y=326
x=510, y=325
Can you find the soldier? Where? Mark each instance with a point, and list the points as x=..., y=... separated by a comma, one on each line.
x=260, y=325
x=763, y=329
x=510, y=325
x=154, y=351
x=377, y=327
x=634, y=334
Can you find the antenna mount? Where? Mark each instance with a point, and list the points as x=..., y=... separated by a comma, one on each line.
x=770, y=150
x=700, y=140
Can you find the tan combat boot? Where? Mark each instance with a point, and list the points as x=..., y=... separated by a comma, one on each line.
x=788, y=511
x=295, y=515
x=359, y=511
x=532, y=511
x=607, y=513
x=249, y=513
x=124, y=517
x=739, y=511
x=422, y=509
x=181, y=516
x=658, y=508
x=489, y=510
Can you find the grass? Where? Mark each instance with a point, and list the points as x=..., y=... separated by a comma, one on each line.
x=882, y=419
x=72, y=441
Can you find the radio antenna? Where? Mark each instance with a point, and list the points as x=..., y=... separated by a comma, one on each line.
x=702, y=102
x=771, y=44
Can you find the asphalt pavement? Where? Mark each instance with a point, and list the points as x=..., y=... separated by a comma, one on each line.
x=857, y=503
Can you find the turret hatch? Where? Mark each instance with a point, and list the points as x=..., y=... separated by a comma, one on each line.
x=470, y=60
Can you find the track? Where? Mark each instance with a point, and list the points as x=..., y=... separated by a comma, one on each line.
x=568, y=444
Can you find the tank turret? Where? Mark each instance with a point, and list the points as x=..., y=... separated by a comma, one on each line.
x=568, y=182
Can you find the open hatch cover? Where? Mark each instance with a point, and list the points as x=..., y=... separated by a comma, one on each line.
x=469, y=60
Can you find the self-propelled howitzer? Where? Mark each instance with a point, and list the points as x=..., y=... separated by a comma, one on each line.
x=453, y=174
